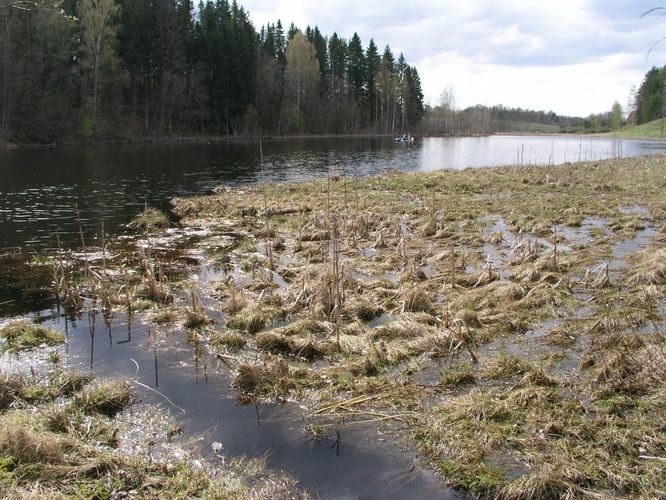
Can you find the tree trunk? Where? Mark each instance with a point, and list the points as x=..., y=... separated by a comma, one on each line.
x=95, y=80
x=5, y=74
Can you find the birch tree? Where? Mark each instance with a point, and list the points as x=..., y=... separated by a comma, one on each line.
x=302, y=73
x=99, y=60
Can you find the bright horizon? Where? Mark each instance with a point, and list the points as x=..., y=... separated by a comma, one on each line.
x=574, y=57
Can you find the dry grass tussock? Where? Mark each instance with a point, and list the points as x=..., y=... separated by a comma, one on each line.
x=629, y=364
x=649, y=268
x=308, y=346
x=403, y=327
x=106, y=397
x=26, y=444
x=547, y=481
x=415, y=299
x=250, y=320
x=272, y=380
x=150, y=218
x=230, y=340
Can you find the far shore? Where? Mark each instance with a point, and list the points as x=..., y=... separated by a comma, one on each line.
x=6, y=144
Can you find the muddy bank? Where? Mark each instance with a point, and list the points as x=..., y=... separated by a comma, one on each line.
x=507, y=322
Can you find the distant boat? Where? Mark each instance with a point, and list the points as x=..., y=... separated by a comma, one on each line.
x=407, y=138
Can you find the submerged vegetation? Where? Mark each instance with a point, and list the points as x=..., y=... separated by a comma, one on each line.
x=510, y=320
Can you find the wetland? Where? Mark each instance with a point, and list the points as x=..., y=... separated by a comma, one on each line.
x=487, y=331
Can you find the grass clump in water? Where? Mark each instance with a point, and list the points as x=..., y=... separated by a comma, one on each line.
x=22, y=335
x=273, y=380
x=250, y=320
x=150, y=218
x=506, y=366
x=308, y=347
x=19, y=390
x=107, y=397
x=232, y=341
x=163, y=316
x=196, y=318
x=416, y=300
x=457, y=376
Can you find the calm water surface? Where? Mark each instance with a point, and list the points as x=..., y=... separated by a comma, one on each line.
x=368, y=464
x=40, y=187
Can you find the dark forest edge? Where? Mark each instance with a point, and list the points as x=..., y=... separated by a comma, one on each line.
x=94, y=71
x=89, y=70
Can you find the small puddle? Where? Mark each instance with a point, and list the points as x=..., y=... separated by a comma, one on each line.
x=430, y=374
x=380, y=320
x=368, y=253
x=405, y=231
x=546, y=326
x=585, y=232
x=496, y=254
x=626, y=247
x=279, y=280
x=634, y=209
x=373, y=278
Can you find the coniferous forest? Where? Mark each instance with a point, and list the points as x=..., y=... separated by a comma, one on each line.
x=649, y=103
x=132, y=69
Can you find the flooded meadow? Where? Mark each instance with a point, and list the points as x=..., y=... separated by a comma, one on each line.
x=487, y=332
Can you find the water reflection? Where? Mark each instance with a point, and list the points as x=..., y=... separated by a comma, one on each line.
x=348, y=462
x=40, y=187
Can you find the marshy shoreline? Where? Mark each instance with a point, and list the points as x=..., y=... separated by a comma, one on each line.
x=507, y=322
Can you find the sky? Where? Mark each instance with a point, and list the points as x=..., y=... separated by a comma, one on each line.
x=574, y=57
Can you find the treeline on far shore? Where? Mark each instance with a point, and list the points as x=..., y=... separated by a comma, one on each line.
x=133, y=69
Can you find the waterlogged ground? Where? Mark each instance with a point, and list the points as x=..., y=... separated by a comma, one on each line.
x=506, y=323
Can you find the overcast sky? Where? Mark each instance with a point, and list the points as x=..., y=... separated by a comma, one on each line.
x=574, y=57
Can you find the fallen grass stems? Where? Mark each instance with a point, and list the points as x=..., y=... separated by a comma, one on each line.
x=340, y=301
x=422, y=280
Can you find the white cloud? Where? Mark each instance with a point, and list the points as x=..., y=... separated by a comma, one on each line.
x=571, y=56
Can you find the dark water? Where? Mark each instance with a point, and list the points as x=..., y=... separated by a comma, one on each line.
x=40, y=187
x=368, y=463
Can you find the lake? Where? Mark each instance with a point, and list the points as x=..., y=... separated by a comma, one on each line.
x=40, y=187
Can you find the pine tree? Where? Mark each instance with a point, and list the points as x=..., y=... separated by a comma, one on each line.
x=386, y=88
x=372, y=61
x=292, y=31
x=415, y=108
x=650, y=98
x=356, y=69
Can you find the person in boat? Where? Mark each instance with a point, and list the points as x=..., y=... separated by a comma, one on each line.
x=404, y=137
